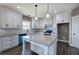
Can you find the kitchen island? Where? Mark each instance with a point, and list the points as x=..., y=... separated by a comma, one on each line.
x=41, y=44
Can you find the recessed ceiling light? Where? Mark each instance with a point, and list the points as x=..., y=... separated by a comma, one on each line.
x=36, y=18
x=55, y=11
x=18, y=6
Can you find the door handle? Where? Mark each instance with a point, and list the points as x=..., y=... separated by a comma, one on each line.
x=74, y=34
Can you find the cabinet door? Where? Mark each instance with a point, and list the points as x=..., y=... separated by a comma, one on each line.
x=14, y=41
x=0, y=17
x=17, y=20
x=9, y=42
x=9, y=18
x=5, y=43
x=3, y=17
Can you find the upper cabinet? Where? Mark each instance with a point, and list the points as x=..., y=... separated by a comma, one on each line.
x=17, y=20
x=10, y=18
x=62, y=17
x=3, y=16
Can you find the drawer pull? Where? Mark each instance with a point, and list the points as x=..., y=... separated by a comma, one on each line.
x=6, y=25
x=74, y=34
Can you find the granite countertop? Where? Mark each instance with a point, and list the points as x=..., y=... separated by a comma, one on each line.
x=40, y=38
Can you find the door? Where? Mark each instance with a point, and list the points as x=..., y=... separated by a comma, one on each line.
x=63, y=31
x=0, y=45
x=75, y=32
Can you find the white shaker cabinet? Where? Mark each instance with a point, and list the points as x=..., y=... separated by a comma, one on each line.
x=5, y=43
x=62, y=17
x=10, y=18
x=13, y=41
x=9, y=42
x=17, y=20
x=3, y=17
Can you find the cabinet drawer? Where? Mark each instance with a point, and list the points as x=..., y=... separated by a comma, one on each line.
x=15, y=38
x=14, y=44
x=9, y=42
x=4, y=41
x=5, y=46
x=37, y=49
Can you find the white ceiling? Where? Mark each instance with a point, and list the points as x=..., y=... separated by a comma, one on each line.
x=29, y=9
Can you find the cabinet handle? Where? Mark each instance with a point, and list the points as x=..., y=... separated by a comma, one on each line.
x=6, y=25
x=10, y=40
x=17, y=25
x=74, y=34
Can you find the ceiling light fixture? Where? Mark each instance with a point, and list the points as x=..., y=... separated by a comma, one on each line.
x=18, y=7
x=47, y=15
x=55, y=11
x=36, y=12
x=36, y=18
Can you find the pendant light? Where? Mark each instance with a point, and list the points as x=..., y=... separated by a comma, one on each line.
x=48, y=11
x=36, y=12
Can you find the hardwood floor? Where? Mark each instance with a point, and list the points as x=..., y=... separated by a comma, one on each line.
x=18, y=51
x=65, y=49
x=62, y=49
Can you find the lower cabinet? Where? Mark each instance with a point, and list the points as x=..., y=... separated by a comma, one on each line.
x=52, y=49
x=9, y=42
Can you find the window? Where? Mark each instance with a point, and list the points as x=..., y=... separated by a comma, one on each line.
x=26, y=25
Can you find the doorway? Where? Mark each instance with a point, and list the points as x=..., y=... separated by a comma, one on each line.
x=63, y=32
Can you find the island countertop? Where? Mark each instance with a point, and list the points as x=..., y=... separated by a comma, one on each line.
x=40, y=38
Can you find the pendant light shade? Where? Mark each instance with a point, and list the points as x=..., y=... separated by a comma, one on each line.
x=36, y=18
x=36, y=12
x=47, y=15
